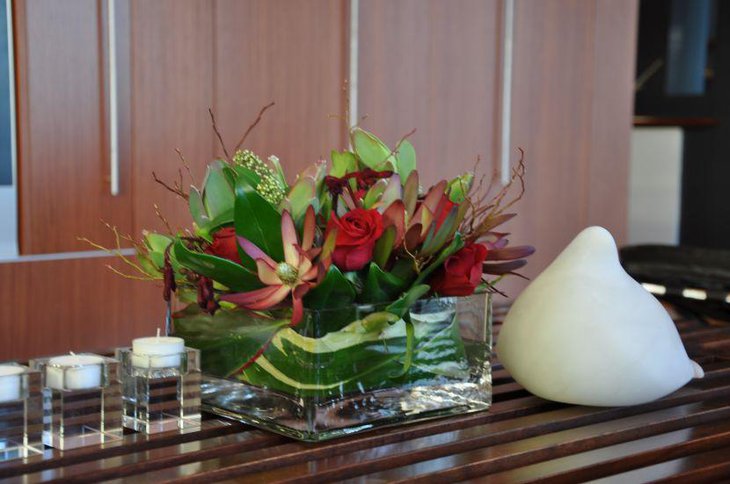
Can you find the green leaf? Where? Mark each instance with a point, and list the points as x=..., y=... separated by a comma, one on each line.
x=228, y=273
x=197, y=209
x=435, y=240
x=410, y=345
x=302, y=195
x=257, y=221
x=218, y=194
x=381, y=286
x=406, y=159
x=384, y=247
x=374, y=194
x=228, y=339
x=157, y=242
x=401, y=306
x=246, y=175
x=335, y=291
x=371, y=151
x=456, y=244
x=342, y=163
x=459, y=187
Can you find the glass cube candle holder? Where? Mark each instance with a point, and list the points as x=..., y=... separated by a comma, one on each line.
x=161, y=392
x=21, y=412
x=82, y=400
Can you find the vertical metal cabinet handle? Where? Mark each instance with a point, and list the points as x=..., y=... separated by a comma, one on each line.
x=509, y=18
x=113, y=100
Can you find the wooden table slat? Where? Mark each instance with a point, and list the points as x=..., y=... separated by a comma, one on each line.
x=683, y=437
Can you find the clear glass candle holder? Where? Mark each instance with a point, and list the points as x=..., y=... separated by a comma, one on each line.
x=82, y=400
x=21, y=412
x=160, y=392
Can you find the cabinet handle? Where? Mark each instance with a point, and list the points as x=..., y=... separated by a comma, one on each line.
x=113, y=100
x=507, y=43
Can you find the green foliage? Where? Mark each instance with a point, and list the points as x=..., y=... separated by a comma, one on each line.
x=384, y=247
x=342, y=163
x=335, y=291
x=257, y=221
x=271, y=185
x=456, y=244
x=403, y=303
x=370, y=150
x=218, y=197
x=459, y=187
x=381, y=286
x=220, y=270
x=225, y=343
x=406, y=159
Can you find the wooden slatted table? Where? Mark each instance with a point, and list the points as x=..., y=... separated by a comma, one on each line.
x=684, y=437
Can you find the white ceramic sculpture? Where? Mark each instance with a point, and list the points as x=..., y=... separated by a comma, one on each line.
x=585, y=332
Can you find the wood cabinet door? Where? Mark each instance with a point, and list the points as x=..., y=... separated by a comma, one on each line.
x=291, y=53
x=171, y=76
x=63, y=149
x=433, y=66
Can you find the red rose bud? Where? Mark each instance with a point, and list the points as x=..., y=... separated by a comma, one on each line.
x=461, y=273
x=224, y=245
x=357, y=232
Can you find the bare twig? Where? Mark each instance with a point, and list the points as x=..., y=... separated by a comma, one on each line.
x=218, y=134
x=185, y=164
x=394, y=151
x=252, y=126
x=177, y=190
x=163, y=219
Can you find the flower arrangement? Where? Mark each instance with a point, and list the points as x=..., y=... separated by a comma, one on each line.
x=271, y=273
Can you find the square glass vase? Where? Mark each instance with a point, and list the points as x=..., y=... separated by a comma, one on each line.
x=344, y=370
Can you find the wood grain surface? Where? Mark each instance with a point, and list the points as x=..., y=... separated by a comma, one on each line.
x=63, y=150
x=52, y=307
x=433, y=66
x=684, y=437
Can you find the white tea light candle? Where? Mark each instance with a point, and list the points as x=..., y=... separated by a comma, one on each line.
x=157, y=351
x=10, y=382
x=81, y=372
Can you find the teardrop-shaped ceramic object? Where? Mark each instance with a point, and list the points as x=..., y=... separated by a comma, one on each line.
x=585, y=332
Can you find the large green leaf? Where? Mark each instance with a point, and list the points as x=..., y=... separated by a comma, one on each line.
x=459, y=187
x=354, y=359
x=247, y=175
x=225, y=343
x=218, y=195
x=371, y=151
x=257, y=221
x=381, y=286
x=384, y=247
x=335, y=291
x=403, y=304
x=221, y=270
x=406, y=159
x=197, y=208
x=342, y=163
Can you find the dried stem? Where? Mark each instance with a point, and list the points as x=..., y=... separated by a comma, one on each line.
x=176, y=189
x=253, y=125
x=394, y=151
x=218, y=134
x=185, y=164
x=163, y=219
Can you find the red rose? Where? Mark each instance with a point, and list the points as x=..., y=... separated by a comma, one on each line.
x=224, y=245
x=357, y=232
x=461, y=273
